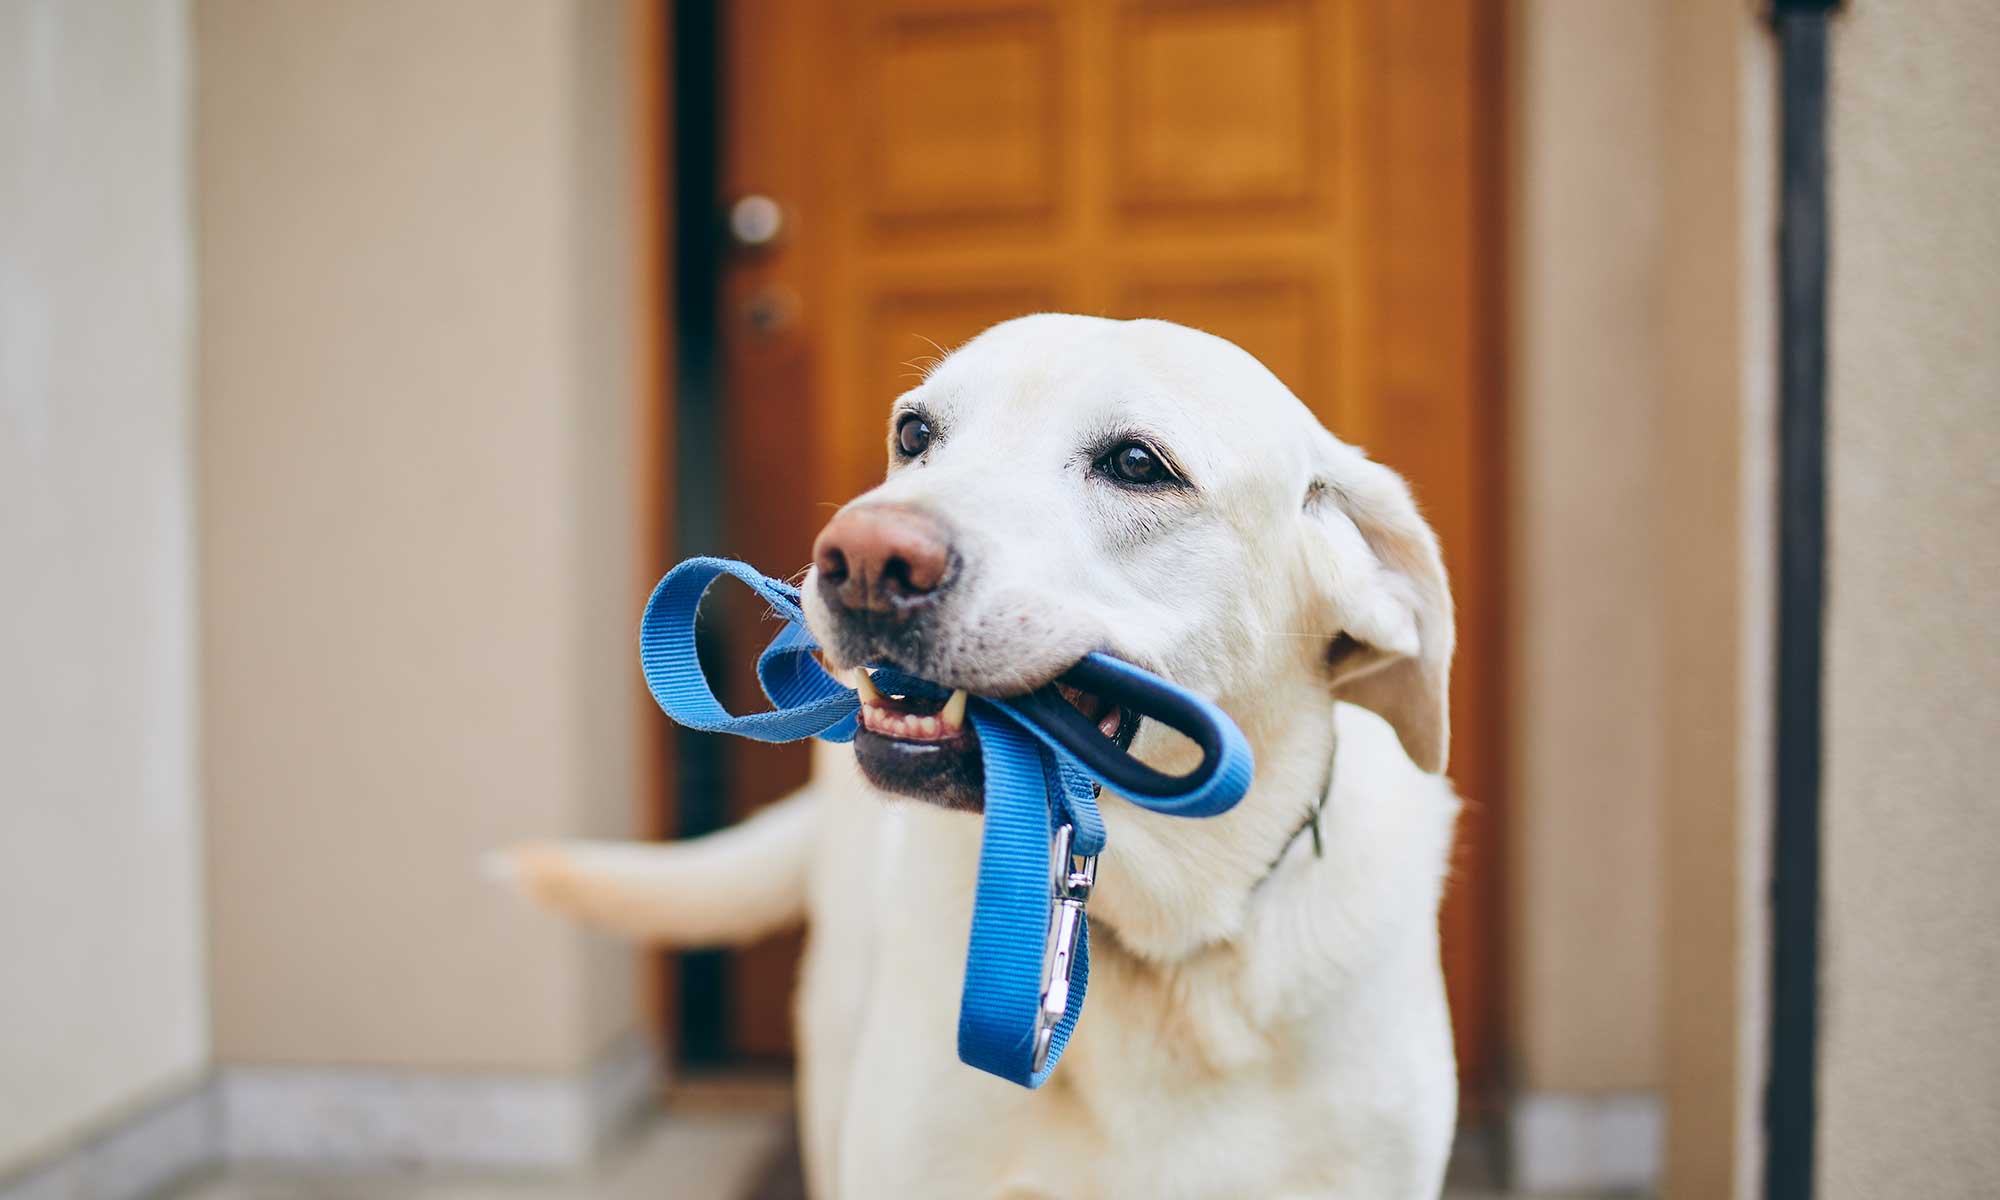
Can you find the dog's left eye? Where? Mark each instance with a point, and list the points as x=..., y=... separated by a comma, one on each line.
x=913, y=435
x=1135, y=464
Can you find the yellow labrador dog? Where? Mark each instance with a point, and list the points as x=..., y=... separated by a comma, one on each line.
x=1267, y=1014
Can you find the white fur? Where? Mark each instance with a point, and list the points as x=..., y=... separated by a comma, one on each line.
x=1251, y=1030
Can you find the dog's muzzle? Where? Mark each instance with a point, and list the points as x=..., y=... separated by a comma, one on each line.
x=884, y=563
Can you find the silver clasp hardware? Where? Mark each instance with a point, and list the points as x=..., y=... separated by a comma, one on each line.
x=1072, y=877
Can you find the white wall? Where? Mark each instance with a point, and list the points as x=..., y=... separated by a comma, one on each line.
x=102, y=1001
x=1910, y=1048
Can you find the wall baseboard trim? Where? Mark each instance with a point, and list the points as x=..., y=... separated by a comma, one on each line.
x=362, y=1119
x=1567, y=1141
x=140, y=1155
x=356, y=1120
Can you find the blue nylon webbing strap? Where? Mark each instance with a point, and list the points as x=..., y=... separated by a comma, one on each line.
x=1034, y=782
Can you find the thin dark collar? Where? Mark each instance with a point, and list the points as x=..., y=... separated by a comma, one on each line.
x=1311, y=823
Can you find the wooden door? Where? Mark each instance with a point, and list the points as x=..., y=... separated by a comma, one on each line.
x=1312, y=179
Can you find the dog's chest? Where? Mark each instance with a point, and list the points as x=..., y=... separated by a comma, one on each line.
x=1138, y=1107
x=939, y=1133
x=1185, y=1084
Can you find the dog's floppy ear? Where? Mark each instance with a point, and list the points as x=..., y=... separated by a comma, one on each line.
x=1378, y=582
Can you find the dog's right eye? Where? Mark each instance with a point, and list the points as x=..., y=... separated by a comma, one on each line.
x=913, y=435
x=1134, y=464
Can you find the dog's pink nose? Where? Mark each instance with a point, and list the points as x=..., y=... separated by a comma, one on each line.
x=882, y=558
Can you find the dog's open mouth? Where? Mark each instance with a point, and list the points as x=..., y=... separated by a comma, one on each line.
x=923, y=746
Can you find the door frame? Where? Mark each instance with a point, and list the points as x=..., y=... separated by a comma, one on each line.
x=1438, y=225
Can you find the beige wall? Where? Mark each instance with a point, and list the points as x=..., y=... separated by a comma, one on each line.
x=1584, y=869
x=1643, y=395
x=102, y=1003
x=1717, y=553
x=1910, y=1049
x=1910, y=1060
x=417, y=515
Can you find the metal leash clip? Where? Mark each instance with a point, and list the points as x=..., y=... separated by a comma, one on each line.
x=1073, y=875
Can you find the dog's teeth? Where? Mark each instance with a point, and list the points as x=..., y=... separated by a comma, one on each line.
x=953, y=713
x=865, y=687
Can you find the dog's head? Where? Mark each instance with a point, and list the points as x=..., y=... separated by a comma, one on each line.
x=1065, y=484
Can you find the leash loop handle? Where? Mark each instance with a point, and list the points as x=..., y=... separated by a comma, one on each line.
x=1211, y=788
x=807, y=702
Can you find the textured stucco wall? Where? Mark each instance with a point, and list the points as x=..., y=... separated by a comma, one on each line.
x=102, y=1000
x=1910, y=1051
x=417, y=501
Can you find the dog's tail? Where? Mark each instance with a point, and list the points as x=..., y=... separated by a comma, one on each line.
x=731, y=886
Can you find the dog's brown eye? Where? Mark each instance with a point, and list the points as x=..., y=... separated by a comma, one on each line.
x=913, y=435
x=1134, y=463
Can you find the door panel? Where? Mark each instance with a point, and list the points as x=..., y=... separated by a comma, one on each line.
x=961, y=123
x=1218, y=106
x=1305, y=177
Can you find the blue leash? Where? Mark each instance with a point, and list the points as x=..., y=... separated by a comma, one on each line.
x=1028, y=962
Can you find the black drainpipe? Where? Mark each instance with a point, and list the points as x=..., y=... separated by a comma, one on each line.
x=1792, y=1080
